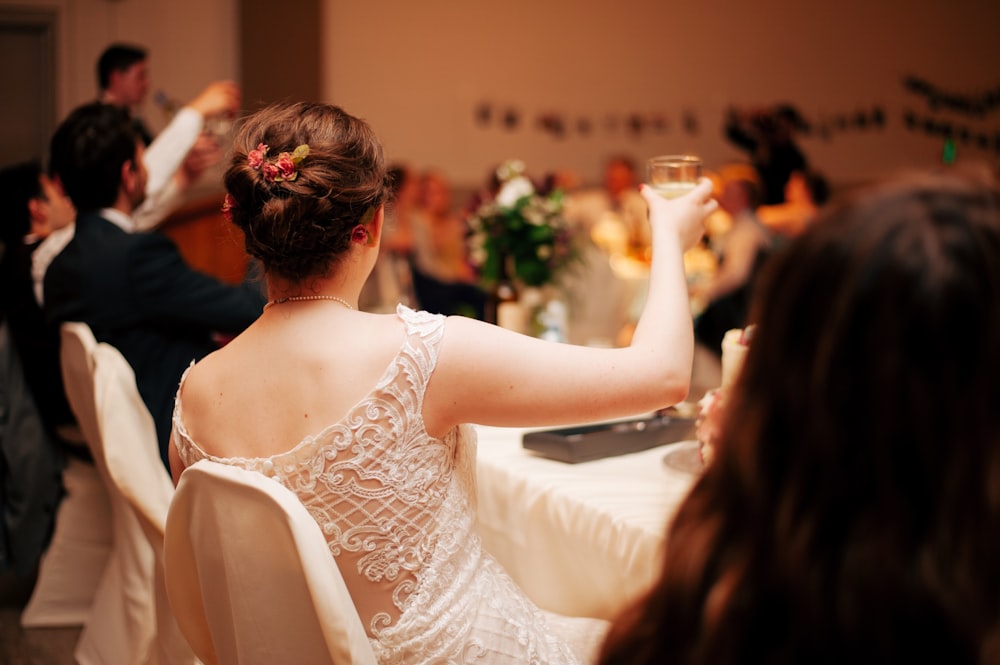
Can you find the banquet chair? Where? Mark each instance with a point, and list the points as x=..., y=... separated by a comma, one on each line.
x=250, y=576
x=77, y=554
x=130, y=621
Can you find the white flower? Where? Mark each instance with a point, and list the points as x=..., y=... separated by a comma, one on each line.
x=533, y=215
x=477, y=251
x=510, y=169
x=513, y=190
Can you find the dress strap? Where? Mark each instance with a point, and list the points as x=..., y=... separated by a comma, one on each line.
x=424, y=332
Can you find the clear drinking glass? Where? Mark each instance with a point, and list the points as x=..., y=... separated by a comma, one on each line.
x=673, y=175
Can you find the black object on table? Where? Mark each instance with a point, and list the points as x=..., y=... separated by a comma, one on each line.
x=586, y=443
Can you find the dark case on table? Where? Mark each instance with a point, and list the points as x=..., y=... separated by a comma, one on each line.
x=591, y=442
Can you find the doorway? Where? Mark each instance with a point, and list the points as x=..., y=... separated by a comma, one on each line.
x=27, y=106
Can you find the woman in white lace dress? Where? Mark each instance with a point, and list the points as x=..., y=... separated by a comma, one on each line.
x=362, y=415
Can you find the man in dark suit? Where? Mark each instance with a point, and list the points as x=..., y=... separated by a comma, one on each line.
x=36, y=423
x=133, y=289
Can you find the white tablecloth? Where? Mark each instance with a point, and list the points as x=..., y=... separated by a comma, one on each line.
x=581, y=539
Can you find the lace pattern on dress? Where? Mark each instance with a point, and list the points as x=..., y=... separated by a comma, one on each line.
x=397, y=508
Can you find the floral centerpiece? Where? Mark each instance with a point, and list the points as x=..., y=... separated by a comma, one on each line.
x=521, y=234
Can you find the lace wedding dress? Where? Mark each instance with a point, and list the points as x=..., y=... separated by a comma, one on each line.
x=398, y=509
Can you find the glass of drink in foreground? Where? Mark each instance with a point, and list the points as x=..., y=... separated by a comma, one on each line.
x=673, y=175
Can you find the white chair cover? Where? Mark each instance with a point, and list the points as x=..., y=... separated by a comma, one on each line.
x=250, y=576
x=77, y=555
x=130, y=621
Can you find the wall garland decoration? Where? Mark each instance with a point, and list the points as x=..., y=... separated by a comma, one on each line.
x=977, y=105
x=637, y=125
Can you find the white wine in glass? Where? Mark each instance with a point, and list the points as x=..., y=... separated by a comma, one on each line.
x=674, y=175
x=671, y=190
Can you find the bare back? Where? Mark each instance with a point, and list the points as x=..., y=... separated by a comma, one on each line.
x=286, y=378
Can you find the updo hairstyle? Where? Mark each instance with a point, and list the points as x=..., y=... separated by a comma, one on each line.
x=300, y=228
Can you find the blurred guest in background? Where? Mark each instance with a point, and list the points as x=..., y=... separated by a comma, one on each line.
x=35, y=419
x=851, y=512
x=768, y=135
x=391, y=282
x=439, y=233
x=133, y=289
x=444, y=280
x=183, y=150
x=35, y=207
x=176, y=158
x=611, y=225
x=805, y=193
x=724, y=299
x=614, y=214
x=123, y=80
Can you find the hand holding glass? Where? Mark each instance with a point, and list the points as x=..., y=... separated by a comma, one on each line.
x=674, y=175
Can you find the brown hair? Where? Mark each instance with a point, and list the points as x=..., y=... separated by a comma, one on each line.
x=852, y=513
x=298, y=228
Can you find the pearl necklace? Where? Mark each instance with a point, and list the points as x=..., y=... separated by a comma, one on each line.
x=279, y=301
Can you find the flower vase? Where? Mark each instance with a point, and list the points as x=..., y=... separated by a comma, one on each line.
x=513, y=315
x=503, y=292
x=518, y=313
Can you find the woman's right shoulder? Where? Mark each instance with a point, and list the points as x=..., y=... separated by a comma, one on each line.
x=418, y=318
x=199, y=375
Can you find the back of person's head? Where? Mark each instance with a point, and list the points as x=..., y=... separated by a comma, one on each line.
x=741, y=186
x=852, y=508
x=88, y=151
x=298, y=227
x=398, y=176
x=818, y=187
x=619, y=174
x=117, y=58
x=18, y=185
x=885, y=308
x=435, y=193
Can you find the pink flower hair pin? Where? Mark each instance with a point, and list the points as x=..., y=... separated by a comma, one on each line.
x=283, y=168
x=228, y=203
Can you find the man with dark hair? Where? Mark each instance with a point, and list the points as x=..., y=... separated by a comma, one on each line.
x=183, y=150
x=133, y=289
x=177, y=156
x=123, y=80
x=35, y=418
x=33, y=207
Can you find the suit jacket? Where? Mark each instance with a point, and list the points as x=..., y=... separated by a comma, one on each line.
x=137, y=294
x=35, y=340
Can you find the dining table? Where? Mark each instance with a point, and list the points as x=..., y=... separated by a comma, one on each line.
x=585, y=538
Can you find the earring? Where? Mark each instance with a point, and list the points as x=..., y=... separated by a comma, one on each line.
x=360, y=234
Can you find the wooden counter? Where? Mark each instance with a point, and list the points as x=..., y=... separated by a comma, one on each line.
x=207, y=241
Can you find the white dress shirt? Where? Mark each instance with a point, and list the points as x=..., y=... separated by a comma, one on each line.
x=162, y=159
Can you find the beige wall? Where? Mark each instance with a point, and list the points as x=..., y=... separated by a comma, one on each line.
x=191, y=43
x=417, y=70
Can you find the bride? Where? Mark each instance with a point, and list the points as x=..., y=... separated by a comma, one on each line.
x=363, y=415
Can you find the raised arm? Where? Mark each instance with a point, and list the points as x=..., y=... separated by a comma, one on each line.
x=165, y=157
x=492, y=376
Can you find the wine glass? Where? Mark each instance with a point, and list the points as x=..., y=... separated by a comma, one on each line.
x=673, y=175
